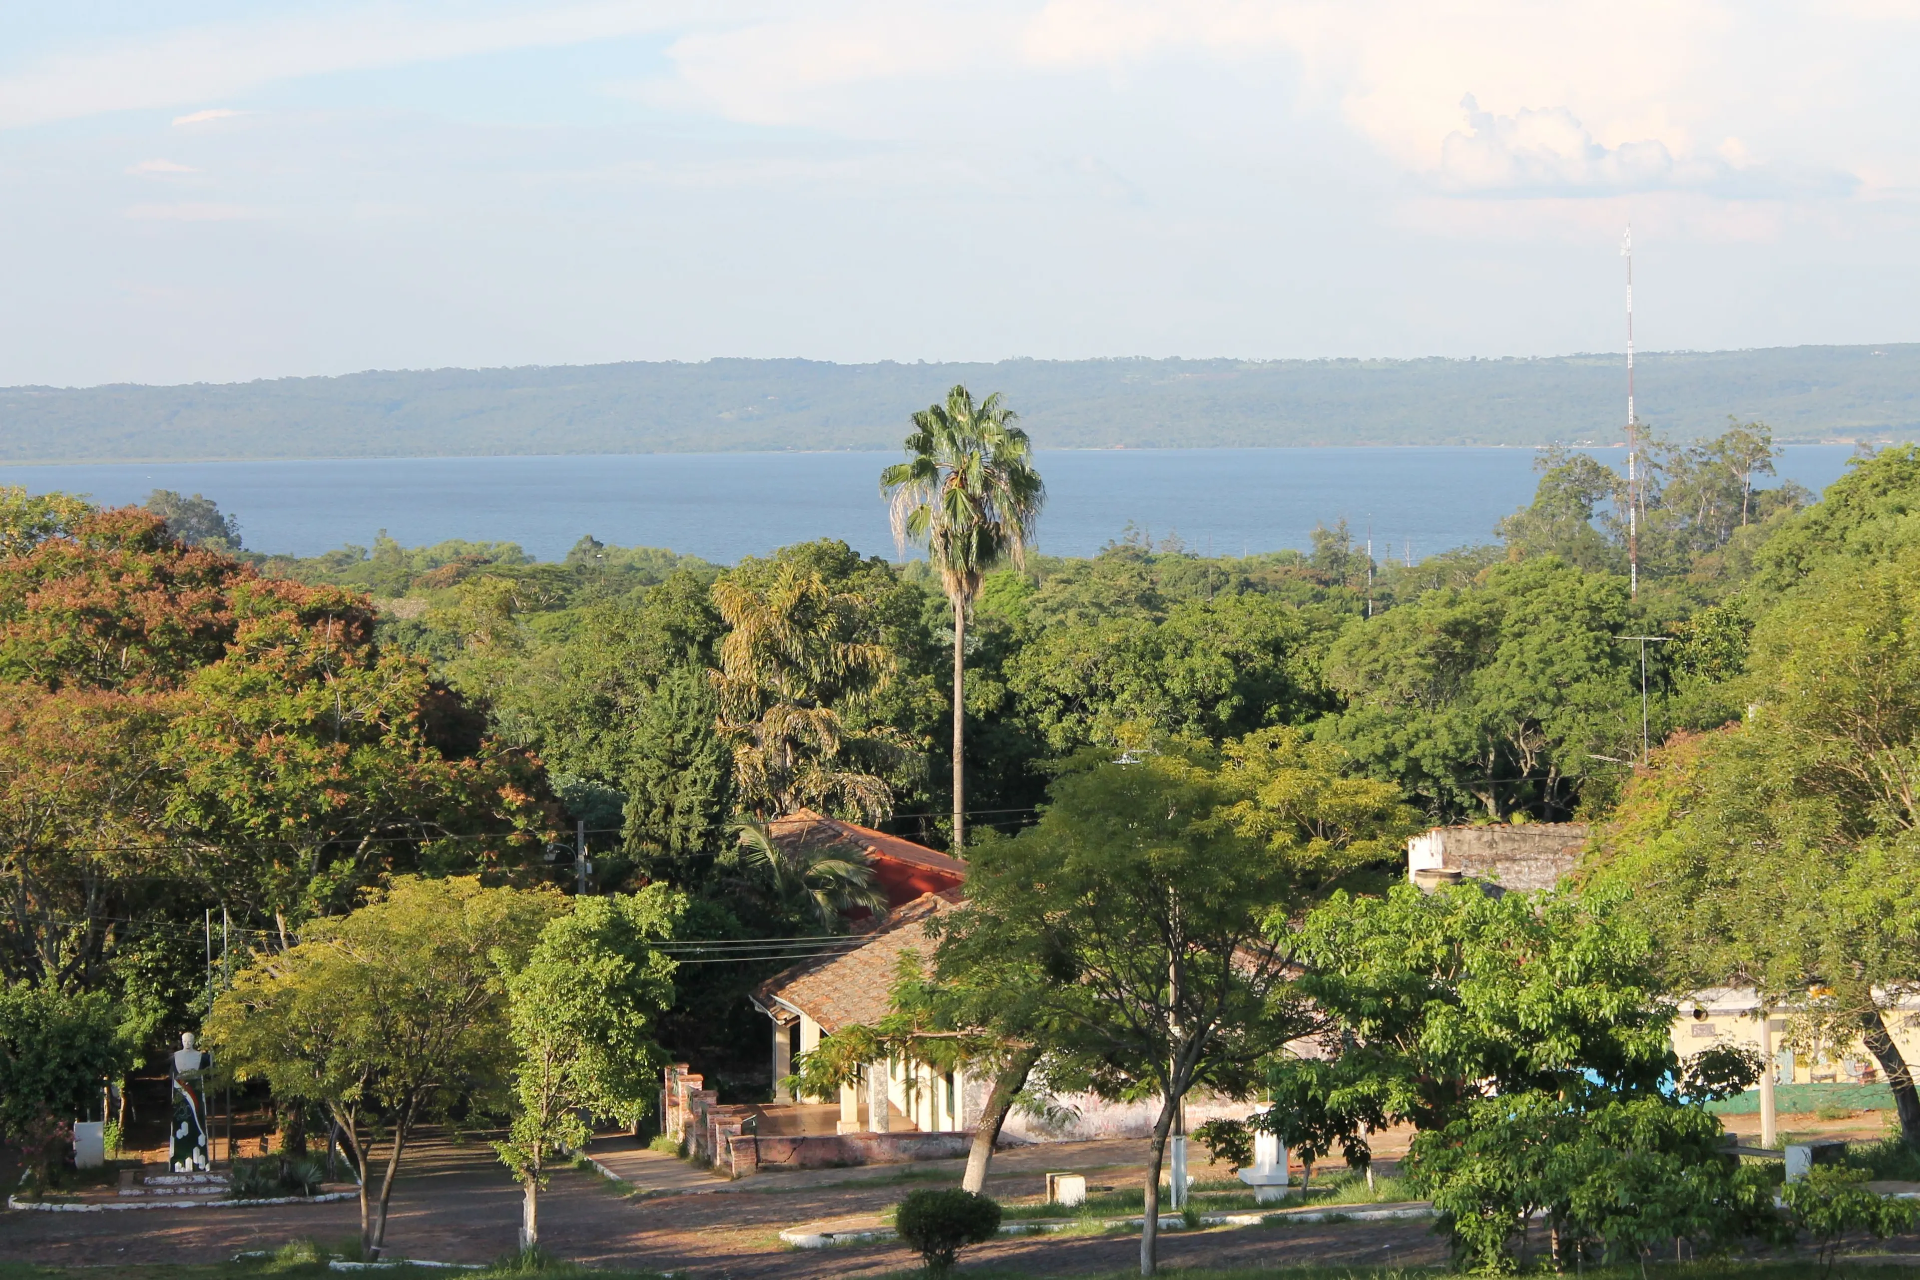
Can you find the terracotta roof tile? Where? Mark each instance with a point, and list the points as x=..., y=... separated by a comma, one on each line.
x=852, y=988
x=807, y=828
x=904, y=870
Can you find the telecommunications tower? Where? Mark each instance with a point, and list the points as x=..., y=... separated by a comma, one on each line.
x=1633, y=437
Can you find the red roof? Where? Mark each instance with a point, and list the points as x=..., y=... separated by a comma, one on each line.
x=905, y=870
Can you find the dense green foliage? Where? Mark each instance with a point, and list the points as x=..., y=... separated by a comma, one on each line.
x=388, y=1016
x=581, y=1016
x=1130, y=925
x=56, y=1047
x=1810, y=393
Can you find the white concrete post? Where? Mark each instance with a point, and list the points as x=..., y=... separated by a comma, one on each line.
x=1799, y=1160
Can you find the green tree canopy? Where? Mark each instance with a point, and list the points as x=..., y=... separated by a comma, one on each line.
x=1501, y=698
x=388, y=1016
x=1782, y=852
x=581, y=1018
x=1145, y=896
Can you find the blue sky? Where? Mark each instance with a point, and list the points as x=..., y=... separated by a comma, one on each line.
x=223, y=190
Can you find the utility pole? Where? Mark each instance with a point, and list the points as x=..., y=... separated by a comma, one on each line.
x=1369, y=571
x=580, y=864
x=1633, y=437
x=1769, y=1122
x=226, y=984
x=1644, y=642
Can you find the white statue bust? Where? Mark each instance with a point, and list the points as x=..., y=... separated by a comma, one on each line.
x=188, y=1060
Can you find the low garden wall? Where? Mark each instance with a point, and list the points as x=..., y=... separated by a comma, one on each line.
x=748, y=1153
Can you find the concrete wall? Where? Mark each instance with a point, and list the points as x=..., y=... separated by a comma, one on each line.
x=1525, y=858
x=1082, y=1117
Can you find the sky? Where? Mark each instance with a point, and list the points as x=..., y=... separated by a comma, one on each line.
x=216, y=190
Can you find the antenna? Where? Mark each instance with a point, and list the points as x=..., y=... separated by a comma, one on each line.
x=1633, y=437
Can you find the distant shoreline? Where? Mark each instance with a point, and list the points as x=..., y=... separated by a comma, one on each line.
x=1807, y=395
x=5, y=463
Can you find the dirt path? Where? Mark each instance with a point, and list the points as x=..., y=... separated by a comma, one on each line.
x=454, y=1203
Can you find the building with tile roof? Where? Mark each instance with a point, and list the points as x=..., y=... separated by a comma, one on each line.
x=905, y=870
x=818, y=997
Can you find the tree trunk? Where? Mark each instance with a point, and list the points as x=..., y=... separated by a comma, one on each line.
x=1899, y=1076
x=386, y=1192
x=959, y=725
x=1156, y=1156
x=292, y=1136
x=530, y=1214
x=1006, y=1086
x=357, y=1157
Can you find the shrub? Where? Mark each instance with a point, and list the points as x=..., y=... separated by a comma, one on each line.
x=665, y=1145
x=1228, y=1140
x=266, y=1177
x=1892, y=1158
x=1832, y=1202
x=938, y=1224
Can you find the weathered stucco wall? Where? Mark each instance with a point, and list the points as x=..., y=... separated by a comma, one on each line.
x=1524, y=858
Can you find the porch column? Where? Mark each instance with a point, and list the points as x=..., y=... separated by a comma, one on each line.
x=849, y=1109
x=877, y=1097
x=782, y=1060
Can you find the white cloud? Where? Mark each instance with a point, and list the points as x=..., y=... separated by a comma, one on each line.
x=191, y=212
x=160, y=166
x=1546, y=151
x=201, y=117
x=218, y=61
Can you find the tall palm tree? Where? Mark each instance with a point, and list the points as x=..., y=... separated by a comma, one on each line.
x=969, y=494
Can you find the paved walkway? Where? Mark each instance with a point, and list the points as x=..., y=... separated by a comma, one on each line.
x=652, y=1171
x=1013, y=1169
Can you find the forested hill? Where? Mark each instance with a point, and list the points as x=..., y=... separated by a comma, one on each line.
x=1805, y=393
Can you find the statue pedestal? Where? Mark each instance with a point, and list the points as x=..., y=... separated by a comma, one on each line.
x=1267, y=1175
x=89, y=1144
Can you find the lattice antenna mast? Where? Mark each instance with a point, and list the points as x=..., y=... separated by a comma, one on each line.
x=1633, y=437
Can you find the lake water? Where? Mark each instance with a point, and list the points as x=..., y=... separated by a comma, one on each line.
x=724, y=506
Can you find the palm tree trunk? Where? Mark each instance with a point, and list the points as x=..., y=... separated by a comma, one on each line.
x=959, y=724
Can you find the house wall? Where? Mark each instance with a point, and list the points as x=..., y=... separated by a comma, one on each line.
x=1732, y=1018
x=920, y=1092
